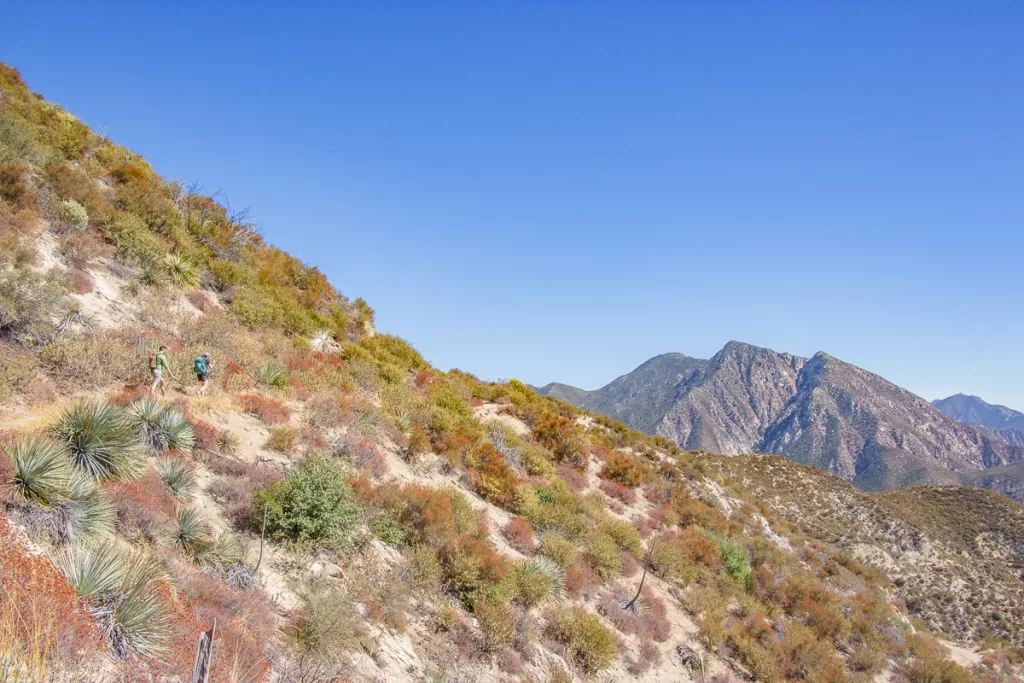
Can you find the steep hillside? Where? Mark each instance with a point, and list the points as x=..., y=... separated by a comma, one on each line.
x=344, y=511
x=820, y=412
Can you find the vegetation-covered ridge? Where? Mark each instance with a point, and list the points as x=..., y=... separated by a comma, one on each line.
x=344, y=510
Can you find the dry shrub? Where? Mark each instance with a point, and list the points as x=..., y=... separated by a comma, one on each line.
x=246, y=625
x=271, y=411
x=201, y=300
x=91, y=362
x=619, y=467
x=519, y=535
x=40, y=390
x=206, y=436
x=589, y=645
x=491, y=477
x=511, y=662
x=648, y=655
x=235, y=485
x=42, y=624
x=80, y=281
x=559, y=435
x=497, y=624
x=128, y=395
x=581, y=581
x=144, y=506
x=364, y=454
x=326, y=411
x=313, y=439
x=573, y=478
x=617, y=491
x=81, y=248
x=283, y=439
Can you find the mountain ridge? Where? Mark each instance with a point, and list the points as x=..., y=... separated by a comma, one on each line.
x=819, y=411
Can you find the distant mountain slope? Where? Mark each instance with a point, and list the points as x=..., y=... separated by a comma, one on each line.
x=995, y=421
x=640, y=398
x=820, y=412
x=975, y=411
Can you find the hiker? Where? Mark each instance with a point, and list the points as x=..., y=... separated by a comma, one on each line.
x=157, y=366
x=203, y=367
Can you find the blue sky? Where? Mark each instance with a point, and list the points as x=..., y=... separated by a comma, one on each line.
x=558, y=191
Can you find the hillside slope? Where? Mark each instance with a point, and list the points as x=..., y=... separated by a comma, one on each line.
x=344, y=511
x=821, y=412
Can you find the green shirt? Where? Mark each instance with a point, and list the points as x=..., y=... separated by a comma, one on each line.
x=160, y=362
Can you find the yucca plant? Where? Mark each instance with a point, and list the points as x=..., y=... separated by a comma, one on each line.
x=86, y=511
x=181, y=271
x=228, y=442
x=91, y=569
x=151, y=275
x=177, y=476
x=101, y=442
x=135, y=618
x=42, y=469
x=120, y=591
x=192, y=533
x=273, y=375
x=218, y=553
x=161, y=426
x=537, y=580
x=403, y=421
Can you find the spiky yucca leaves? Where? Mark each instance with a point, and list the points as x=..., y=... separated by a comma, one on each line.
x=227, y=442
x=192, y=533
x=135, y=618
x=42, y=469
x=120, y=590
x=178, y=477
x=85, y=511
x=101, y=442
x=161, y=426
x=181, y=271
x=273, y=375
x=91, y=569
x=151, y=275
x=537, y=580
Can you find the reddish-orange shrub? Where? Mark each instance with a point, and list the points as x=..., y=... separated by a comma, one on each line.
x=614, y=489
x=42, y=622
x=620, y=468
x=143, y=505
x=492, y=478
x=557, y=433
x=206, y=436
x=519, y=535
x=269, y=410
x=573, y=478
x=233, y=368
x=128, y=395
x=364, y=454
x=581, y=580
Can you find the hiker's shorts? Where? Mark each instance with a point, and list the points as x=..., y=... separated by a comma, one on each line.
x=158, y=375
x=202, y=376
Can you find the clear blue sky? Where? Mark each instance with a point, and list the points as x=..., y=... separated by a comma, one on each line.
x=558, y=191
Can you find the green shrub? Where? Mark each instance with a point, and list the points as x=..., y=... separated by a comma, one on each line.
x=735, y=558
x=603, y=555
x=557, y=548
x=101, y=442
x=311, y=506
x=283, y=439
x=274, y=376
x=497, y=623
x=134, y=241
x=73, y=213
x=589, y=644
x=624, y=534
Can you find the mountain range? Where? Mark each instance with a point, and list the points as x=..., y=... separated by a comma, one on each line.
x=818, y=411
x=998, y=422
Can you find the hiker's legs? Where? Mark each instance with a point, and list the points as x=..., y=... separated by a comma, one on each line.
x=202, y=386
x=152, y=387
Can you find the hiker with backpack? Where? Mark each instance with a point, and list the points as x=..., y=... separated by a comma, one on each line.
x=157, y=366
x=203, y=366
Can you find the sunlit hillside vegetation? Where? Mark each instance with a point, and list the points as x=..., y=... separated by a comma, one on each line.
x=418, y=524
